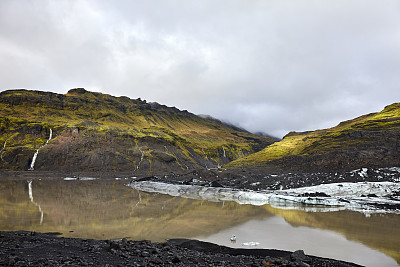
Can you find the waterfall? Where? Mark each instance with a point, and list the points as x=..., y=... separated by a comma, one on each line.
x=33, y=202
x=224, y=152
x=31, y=168
x=1, y=151
x=141, y=158
x=33, y=160
x=204, y=153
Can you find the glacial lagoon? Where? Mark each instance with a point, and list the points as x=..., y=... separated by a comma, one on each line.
x=108, y=209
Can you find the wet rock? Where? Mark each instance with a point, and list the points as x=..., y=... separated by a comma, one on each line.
x=316, y=194
x=216, y=184
x=299, y=255
x=176, y=259
x=145, y=254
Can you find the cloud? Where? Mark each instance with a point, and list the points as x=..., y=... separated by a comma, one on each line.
x=272, y=66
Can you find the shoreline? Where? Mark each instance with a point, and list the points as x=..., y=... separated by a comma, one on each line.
x=22, y=248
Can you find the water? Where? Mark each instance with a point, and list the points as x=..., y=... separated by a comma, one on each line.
x=31, y=168
x=105, y=209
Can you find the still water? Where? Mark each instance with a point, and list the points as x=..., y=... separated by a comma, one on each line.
x=106, y=209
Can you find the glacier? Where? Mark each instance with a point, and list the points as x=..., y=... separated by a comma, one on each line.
x=366, y=197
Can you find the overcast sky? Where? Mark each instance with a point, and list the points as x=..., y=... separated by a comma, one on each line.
x=265, y=65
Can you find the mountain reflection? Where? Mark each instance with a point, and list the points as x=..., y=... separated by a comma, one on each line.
x=108, y=209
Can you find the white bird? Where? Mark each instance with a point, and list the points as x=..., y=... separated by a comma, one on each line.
x=233, y=238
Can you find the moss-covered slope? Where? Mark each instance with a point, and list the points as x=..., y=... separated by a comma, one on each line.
x=371, y=140
x=98, y=132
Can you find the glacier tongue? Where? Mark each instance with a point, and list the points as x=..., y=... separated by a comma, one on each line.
x=350, y=189
x=216, y=194
x=362, y=196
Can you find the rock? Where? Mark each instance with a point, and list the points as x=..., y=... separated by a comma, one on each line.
x=299, y=255
x=50, y=251
x=156, y=260
x=216, y=184
x=176, y=259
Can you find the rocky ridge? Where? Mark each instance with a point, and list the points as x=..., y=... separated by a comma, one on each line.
x=88, y=131
x=371, y=140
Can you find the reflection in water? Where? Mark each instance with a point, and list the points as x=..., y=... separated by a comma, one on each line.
x=378, y=231
x=104, y=209
x=109, y=209
x=33, y=202
x=275, y=233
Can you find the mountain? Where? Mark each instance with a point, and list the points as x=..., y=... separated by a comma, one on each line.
x=371, y=140
x=89, y=131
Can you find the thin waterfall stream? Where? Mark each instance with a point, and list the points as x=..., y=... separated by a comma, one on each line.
x=31, y=168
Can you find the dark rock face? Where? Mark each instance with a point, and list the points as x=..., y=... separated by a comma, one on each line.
x=35, y=249
x=375, y=149
x=338, y=161
x=99, y=132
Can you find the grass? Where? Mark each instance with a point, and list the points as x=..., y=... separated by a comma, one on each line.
x=30, y=115
x=349, y=135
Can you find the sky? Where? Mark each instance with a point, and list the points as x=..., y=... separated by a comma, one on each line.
x=273, y=66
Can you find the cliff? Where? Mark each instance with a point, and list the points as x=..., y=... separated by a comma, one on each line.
x=91, y=131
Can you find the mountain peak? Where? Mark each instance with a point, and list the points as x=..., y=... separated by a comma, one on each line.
x=79, y=91
x=94, y=132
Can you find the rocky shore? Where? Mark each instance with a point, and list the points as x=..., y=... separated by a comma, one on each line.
x=48, y=249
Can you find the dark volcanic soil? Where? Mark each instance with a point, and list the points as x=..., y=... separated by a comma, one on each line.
x=258, y=180
x=36, y=249
x=255, y=180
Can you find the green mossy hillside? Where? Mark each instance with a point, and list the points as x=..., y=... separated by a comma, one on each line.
x=113, y=132
x=369, y=140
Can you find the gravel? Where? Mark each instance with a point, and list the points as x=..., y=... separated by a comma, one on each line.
x=23, y=248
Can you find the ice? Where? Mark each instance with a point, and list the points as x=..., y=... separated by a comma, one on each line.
x=216, y=194
x=250, y=244
x=394, y=169
x=363, y=172
x=349, y=189
x=79, y=178
x=339, y=196
x=70, y=178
